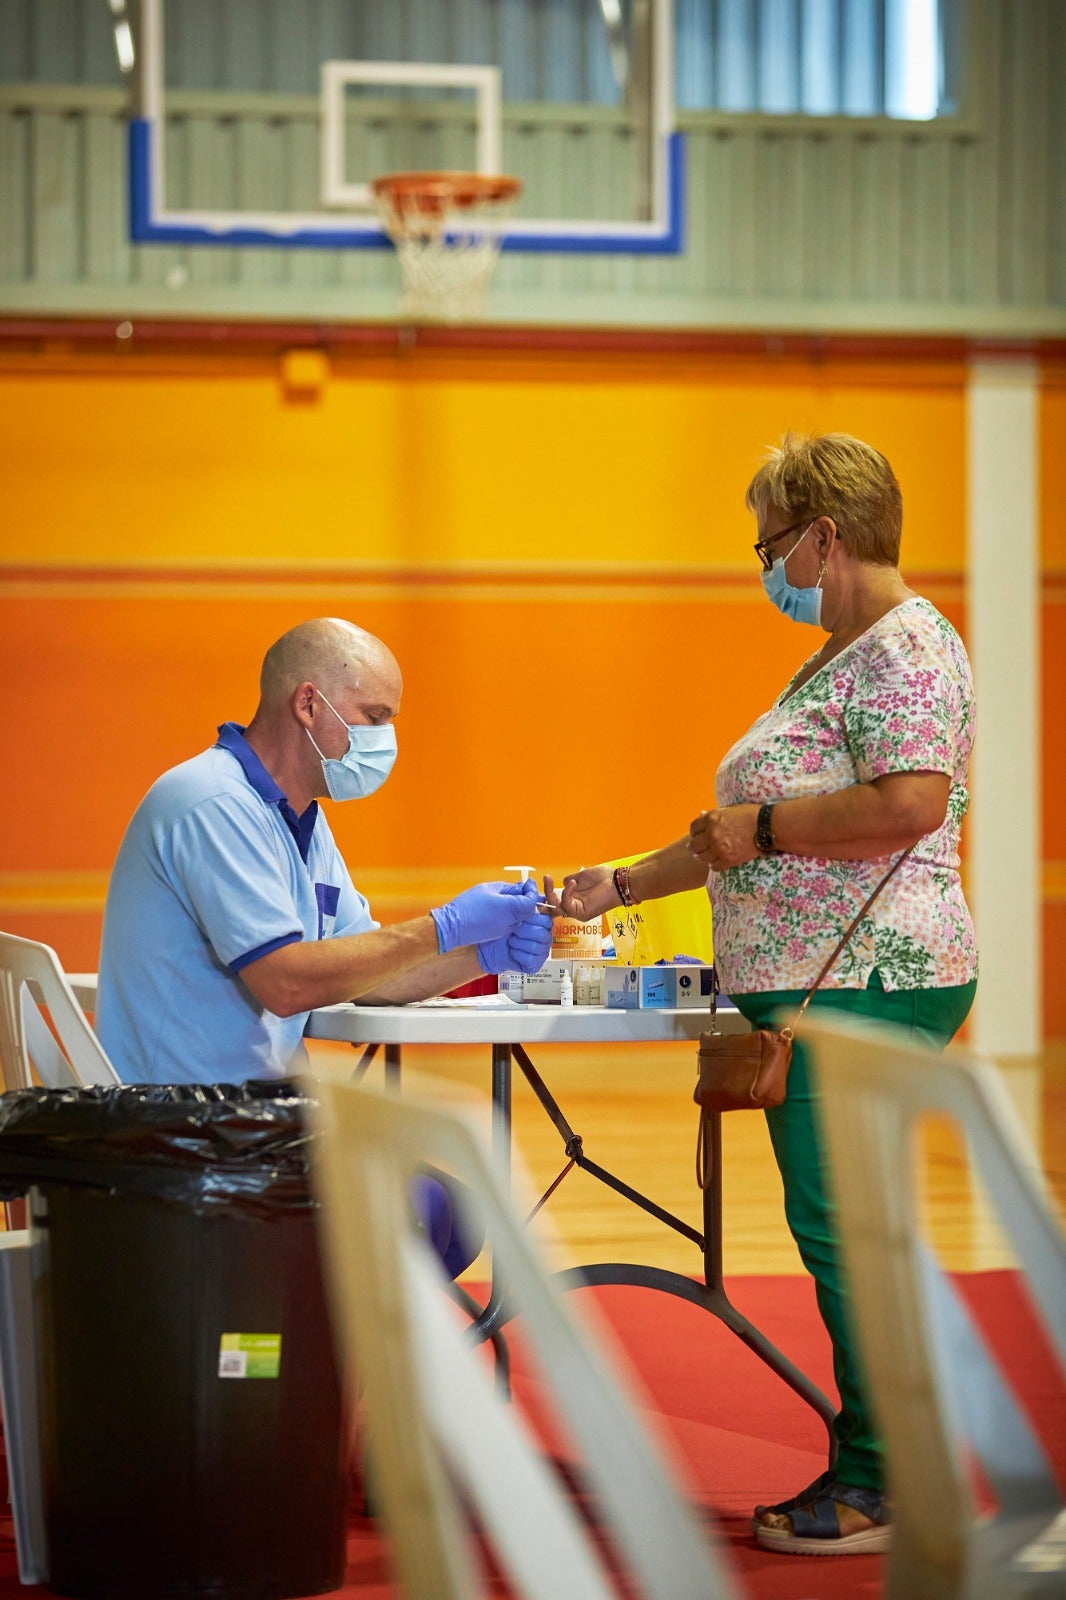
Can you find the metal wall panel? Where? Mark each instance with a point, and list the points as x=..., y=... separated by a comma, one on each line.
x=553, y=50
x=957, y=224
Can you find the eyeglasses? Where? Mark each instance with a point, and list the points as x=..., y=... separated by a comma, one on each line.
x=762, y=548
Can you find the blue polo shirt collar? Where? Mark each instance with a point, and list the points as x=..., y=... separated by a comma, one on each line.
x=231, y=738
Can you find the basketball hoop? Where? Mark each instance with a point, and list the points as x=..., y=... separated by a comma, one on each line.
x=447, y=228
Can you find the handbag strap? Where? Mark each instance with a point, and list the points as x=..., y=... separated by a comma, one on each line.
x=788, y=1031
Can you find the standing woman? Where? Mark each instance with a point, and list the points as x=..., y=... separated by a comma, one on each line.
x=862, y=755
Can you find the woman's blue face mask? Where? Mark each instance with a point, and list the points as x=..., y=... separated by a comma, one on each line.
x=802, y=605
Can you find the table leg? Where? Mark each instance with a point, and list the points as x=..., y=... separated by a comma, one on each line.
x=501, y=1105
x=496, y=1337
x=712, y=1203
x=489, y=1325
x=573, y=1145
x=369, y=1052
x=710, y=1294
x=717, y=1302
x=483, y=1325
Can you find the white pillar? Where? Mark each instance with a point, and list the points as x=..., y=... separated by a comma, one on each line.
x=1003, y=633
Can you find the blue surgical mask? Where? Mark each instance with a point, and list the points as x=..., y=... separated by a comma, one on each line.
x=365, y=764
x=802, y=605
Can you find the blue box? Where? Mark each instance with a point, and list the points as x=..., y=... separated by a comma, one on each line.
x=658, y=988
x=621, y=988
x=640, y=988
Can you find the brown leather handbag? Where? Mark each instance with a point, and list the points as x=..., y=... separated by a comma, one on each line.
x=749, y=1071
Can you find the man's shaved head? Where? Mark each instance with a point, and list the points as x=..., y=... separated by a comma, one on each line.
x=328, y=652
x=318, y=672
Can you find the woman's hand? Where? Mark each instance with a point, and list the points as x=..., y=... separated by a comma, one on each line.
x=588, y=893
x=724, y=838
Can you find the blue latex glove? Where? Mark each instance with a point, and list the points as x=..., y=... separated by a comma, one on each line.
x=487, y=911
x=524, y=949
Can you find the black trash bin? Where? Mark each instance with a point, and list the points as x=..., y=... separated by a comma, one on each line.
x=194, y=1433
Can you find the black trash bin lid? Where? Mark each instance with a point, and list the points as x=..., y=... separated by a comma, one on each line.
x=215, y=1145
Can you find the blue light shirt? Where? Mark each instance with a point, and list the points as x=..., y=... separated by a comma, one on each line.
x=214, y=871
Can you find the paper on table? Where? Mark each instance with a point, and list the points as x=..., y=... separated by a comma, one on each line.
x=474, y=1002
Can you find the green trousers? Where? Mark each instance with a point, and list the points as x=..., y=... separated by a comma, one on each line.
x=928, y=1016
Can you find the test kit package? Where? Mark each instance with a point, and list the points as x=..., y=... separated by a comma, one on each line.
x=613, y=984
x=695, y=985
x=657, y=988
x=545, y=985
x=639, y=988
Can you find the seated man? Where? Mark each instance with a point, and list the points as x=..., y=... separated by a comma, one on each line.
x=230, y=914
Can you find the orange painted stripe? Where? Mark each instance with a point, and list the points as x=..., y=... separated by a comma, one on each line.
x=386, y=888
x=389, y=889
x=514, y=575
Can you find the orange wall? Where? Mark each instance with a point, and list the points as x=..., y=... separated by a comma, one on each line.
x=446, y=457
x=555, y=547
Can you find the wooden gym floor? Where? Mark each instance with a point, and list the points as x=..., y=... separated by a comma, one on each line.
x=634, y=1111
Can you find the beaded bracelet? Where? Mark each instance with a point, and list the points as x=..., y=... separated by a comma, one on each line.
x=621, y=883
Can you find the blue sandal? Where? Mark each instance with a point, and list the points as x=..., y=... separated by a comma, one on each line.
x=805, y=1496
x=815, y=1529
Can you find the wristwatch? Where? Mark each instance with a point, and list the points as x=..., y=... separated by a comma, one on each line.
x=764, y=833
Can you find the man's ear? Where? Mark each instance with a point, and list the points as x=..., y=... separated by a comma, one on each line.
x=303, y=703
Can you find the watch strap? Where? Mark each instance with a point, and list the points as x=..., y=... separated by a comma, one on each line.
x=764, y=833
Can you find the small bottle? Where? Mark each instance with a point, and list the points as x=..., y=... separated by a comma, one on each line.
x=566, y=990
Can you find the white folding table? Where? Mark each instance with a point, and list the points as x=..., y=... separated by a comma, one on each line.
x=507, y=1029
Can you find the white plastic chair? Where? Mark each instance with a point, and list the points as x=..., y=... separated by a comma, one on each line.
x=441, y=1437
x=939, y=1393
x=29, y=970
x=18, y=1394
x=30, y=975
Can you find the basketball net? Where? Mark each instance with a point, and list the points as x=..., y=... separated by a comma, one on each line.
x=447, y=228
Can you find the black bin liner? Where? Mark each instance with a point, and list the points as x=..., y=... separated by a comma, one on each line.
x=174, y=1239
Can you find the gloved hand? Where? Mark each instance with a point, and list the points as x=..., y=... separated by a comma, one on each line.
x=486, y=912
x=524, y=949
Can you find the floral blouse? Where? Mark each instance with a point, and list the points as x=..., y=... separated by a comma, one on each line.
x=899, y=699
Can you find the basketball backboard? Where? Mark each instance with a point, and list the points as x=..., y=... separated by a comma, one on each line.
x=265, y=121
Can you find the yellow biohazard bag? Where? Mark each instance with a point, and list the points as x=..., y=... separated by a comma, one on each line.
x=658, y=930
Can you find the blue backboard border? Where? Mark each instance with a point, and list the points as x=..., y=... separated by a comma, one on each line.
x=147, y=226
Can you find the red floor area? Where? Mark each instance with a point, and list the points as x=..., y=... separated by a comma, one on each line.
x=735, y=1433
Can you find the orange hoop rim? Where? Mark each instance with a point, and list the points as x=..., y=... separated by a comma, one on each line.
x=436, y=191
